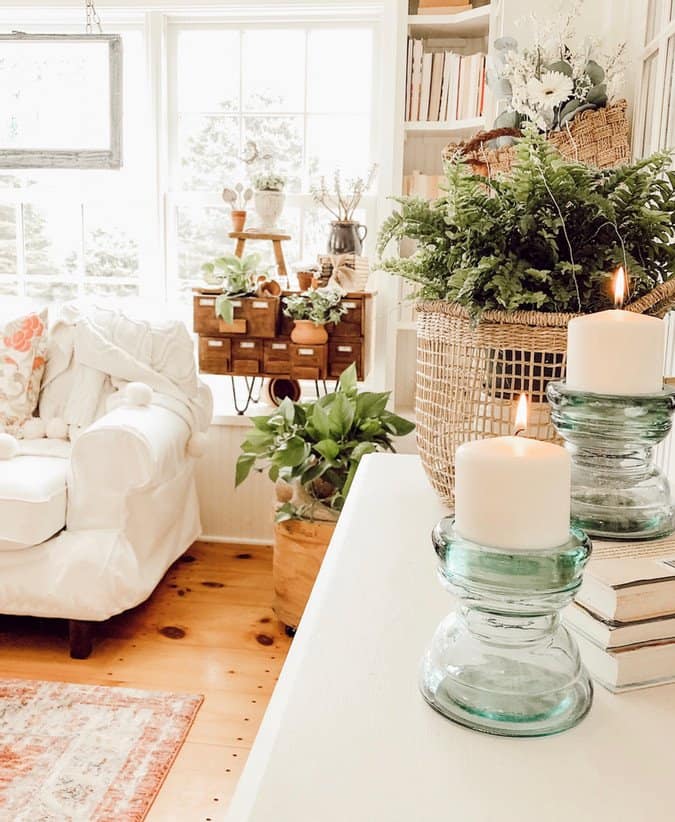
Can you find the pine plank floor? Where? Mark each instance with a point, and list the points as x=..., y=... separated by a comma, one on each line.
x=208, y=629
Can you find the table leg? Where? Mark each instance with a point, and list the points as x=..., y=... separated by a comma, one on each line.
x=239, y=250
x=279, y=257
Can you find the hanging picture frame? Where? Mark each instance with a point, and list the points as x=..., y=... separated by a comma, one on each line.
x=61, y=101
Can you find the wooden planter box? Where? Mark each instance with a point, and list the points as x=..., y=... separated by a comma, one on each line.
x=299, y=549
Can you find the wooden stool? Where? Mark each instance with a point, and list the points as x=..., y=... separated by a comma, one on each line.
x=275, y=239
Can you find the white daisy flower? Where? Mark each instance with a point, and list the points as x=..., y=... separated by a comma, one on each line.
x=553, y=89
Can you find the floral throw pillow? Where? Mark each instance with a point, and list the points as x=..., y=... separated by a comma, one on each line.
x=23, y=345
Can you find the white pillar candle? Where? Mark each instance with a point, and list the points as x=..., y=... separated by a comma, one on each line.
x=512, y=493
x=615, y=352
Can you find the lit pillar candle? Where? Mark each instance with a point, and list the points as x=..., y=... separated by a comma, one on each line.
x=513, y=493
x=616, y=352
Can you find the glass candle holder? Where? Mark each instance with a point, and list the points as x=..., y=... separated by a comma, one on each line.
x=617, y=490
x=502, y=662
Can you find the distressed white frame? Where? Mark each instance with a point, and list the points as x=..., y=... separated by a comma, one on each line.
x=82, y=158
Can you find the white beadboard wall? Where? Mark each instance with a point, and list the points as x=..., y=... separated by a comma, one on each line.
x=244, y=514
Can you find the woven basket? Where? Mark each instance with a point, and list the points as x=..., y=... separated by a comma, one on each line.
x=470, y=375
x=598, y=138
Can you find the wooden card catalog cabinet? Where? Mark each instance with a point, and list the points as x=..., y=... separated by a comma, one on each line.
x=257, y=342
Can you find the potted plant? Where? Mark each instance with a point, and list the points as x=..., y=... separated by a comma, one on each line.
x=268, y=198
x=311, y=311
x=346, y=235
x=501, y=266
x=236, y=276
x=312, y=451
x=237, y=198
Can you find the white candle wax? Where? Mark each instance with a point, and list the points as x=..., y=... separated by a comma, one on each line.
x=615, y=352
x=513, y=493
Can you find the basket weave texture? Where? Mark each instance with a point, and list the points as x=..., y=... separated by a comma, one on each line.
x=471, y=374
x=598, y=138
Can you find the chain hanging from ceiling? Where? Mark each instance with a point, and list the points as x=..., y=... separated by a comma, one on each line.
x=92, y=18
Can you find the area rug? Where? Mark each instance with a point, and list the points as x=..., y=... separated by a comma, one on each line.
x=79, y=753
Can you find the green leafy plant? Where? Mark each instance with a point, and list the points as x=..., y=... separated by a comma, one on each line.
x=318, y=305
x=546, y=238
x=269, y=182
x=236, y=276
x=320, y=444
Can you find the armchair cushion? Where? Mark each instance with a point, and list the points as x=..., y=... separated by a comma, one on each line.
x=32, y=500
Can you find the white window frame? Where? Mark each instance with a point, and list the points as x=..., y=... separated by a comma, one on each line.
x=657, y=90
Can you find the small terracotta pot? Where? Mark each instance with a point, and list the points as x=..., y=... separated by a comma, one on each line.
x=305, y=332
x=305, y=280
x=238, y=220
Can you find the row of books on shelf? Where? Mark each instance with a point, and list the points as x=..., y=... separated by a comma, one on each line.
x=442, y=85
x=444, y=6
x=624, y=620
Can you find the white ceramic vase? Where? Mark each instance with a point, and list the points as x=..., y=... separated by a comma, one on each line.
x=268, y=207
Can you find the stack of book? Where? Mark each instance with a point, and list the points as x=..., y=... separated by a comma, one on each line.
x=442, y=85
x=443, y=6
x=624, y=621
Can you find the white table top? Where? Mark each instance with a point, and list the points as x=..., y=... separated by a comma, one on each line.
x=348, y=738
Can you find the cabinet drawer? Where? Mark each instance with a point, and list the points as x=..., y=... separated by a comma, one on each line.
x=352, y=322
x=276, y=356
x=305, y=357
x=206, y=322
x=246, y=349
x=214, y=355
x=244, y=367
x=261, y=315
x=342, y=353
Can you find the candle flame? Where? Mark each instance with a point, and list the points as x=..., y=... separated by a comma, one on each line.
x=521, y=415
x=619, y=287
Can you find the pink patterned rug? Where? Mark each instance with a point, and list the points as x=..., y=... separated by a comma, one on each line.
x=81, y=753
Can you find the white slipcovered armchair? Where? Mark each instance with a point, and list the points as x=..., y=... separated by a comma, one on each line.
x=89, y=524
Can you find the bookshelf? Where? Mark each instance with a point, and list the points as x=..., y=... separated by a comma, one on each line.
x=420, y=144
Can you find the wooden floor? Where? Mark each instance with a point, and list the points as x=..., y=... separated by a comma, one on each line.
x=207, y=629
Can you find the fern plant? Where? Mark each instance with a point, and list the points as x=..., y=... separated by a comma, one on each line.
x=546, y=238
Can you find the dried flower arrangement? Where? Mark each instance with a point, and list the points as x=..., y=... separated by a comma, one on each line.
x=344, y=198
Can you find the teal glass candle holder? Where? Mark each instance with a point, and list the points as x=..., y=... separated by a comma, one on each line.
x=617, y=490
x=502, y=662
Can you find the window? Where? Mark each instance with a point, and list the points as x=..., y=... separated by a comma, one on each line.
x=654, y=126
x=72, y=233
x=278, y=91
x=145, y=230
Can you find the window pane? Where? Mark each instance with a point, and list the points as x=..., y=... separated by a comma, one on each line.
x=208, y=152
x=646, y=138
x=111, y=241
x=668, y=125
x=339, y=84
x=654, y=14
x=273, y=70
x=52, y=240
x=49, y=290
x=116, y=290
x=8, y=240
x=279, y=141
x=208, y=71
x=202, y=235
x=338, y=142
x=8, y=288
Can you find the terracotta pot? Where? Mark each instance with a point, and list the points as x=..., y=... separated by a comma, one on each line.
x=299, y=549
x=305, y=280
x=238, y=220
x=305, y=332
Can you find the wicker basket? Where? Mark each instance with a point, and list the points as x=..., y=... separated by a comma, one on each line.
x=470, y=375
x=598, y=138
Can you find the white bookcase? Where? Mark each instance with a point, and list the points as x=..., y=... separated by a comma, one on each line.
x=418, y=147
